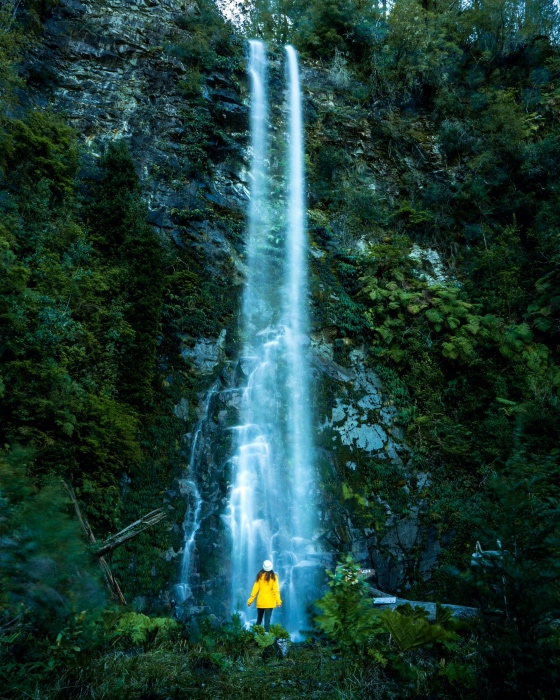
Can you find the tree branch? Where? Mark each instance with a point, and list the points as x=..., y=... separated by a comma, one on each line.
x=131, y=531
x=110, y=580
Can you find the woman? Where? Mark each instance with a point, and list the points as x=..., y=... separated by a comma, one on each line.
x=268, y=589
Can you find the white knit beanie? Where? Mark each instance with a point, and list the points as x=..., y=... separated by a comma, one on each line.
x=267, y=565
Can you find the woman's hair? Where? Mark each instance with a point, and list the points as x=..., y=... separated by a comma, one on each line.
x=267, y=575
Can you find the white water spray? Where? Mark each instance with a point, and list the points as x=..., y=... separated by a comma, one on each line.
x=271, y=502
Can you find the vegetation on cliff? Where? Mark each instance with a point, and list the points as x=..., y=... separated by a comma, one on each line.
x=433, y=159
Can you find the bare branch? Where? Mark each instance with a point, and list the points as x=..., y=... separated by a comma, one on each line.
x=111, y=581
x=131, y=531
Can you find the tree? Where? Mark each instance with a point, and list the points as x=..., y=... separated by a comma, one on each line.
x=516, y=586
x=117, y=220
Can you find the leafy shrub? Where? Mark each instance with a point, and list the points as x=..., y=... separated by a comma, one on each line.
x=47, y=581
x=262, y=638
x=347, y=616
x=517, y=591
x=40, y=147
x=266, y=639
x=119, y=228
x=210, y=43
x=279, y=632
x=232, y=637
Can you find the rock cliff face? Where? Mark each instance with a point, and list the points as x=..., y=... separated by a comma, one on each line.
x=109, y=68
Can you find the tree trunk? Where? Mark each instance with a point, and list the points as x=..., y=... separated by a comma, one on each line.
x=111, y=581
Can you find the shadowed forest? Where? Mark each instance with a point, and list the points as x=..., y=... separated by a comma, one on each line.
x=433, y=183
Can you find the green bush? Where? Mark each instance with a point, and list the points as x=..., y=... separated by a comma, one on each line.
x=347, y=616
x=40, y=147
x=47, y=580
x=516, y=589
x=141, y=630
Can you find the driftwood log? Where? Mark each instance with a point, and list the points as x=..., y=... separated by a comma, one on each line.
x=111, y=543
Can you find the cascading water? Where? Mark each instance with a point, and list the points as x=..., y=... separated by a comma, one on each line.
x=191, y=524
x=270, y=507
x=296, y=337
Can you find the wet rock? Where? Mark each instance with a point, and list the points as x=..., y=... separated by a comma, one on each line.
x=430, y=554
x=360, y=418
x=182, y=410
x=114, y=81
x=281, y=648
x=71, y=8
x=206, y=353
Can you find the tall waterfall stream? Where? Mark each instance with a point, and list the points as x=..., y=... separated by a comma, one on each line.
x=271, y=508
x=271, y=503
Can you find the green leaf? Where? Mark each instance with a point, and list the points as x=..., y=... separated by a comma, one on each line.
x=411, y=632
x=265, y=640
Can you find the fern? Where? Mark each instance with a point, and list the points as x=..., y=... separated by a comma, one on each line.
x=145, y=631
x=265, y=639
x=444, y=617
x=416, y=613
x=279, y=632
x=411, y=631
x=347, y=614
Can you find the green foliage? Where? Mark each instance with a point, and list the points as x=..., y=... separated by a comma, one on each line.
x=278, y=631
x=410, y=629
x=210, y=43
x=232, y=637
x=46, y=579
x=264, y=639
x=145, y=631
x=415, y=50
x=517, y=588
x=347, y=617
x=327, y=26
x=41, y=547
x=350, y=620
x=40, y=148
x=117, y=219
x=64, y=332
x=424, y=327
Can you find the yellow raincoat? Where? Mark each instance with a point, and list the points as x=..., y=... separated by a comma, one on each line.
x=268, y=592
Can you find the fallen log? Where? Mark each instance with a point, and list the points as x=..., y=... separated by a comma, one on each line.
x=462, y=612
x=110, y=580
x=129, y=532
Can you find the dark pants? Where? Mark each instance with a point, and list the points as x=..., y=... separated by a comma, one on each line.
x=267, y=612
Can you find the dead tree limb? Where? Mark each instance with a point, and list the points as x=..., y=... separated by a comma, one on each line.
x=129, y=532
x=111, y=581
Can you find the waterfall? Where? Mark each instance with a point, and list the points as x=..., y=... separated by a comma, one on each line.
x=299, y=429
x=256, y=298
x=192, y=521
x=271, y=500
